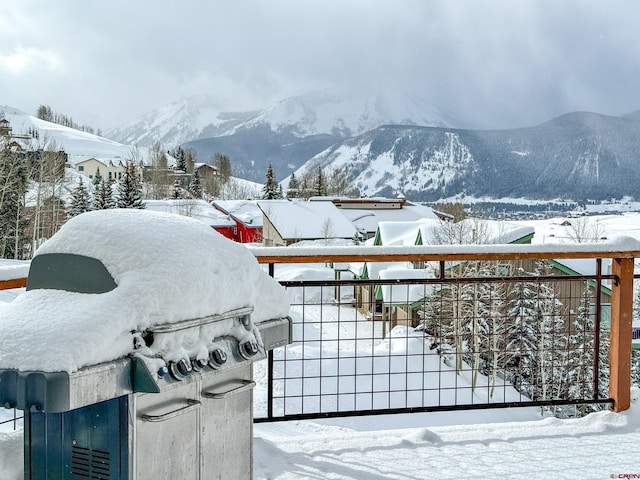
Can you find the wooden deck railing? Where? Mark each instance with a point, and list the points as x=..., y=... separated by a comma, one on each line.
x=13, y=283
x=622, y=253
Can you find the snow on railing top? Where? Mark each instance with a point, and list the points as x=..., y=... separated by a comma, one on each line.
x=13, y=269
x=619, y=247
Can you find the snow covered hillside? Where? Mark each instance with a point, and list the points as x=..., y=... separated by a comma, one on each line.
x=388, y=162
x=78, y=145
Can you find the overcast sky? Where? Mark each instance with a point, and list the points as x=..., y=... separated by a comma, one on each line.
x=490, y=63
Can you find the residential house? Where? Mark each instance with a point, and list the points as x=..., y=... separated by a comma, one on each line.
x=571, y=293
x=5, y=128
x=198, y=209
x=247, y=216
x=387, y=303
x=286, y=222
x=108, y=169
x=366, y=213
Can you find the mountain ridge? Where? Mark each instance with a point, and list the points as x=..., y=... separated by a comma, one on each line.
x=579, y=155
x=338, y=112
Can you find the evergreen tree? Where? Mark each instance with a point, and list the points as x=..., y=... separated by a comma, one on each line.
x=522, y=336
x=181, y=162
x=103, y=198
x=551, y=344
x=97, y=179
x=129, y=191
x=80, y=200
x=580, y=351
x=294, y=187
x=320, y=184
x=635, y=367
x=271, y=189
x=195, y=187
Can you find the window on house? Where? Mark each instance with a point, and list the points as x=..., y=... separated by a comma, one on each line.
x=81, y=168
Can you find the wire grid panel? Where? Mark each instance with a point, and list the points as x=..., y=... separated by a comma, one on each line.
x=10, y=419
x=405, y=344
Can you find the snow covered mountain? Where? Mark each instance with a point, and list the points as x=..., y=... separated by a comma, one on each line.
x=285, y=134
x=576, y=156
x=77, y=144
x=179, y=122
x=335, y=112
x=345, y=113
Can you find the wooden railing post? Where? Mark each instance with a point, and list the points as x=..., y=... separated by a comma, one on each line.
x=621, y=320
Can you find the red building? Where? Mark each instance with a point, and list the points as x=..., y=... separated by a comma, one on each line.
x=247, y=217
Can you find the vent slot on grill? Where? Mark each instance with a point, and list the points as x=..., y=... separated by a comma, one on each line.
x=90, y=463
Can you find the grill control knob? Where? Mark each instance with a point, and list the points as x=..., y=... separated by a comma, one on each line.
x=162, y=371
x=179, y=370
x=248, y=349
x=217, y=358
x=198, y=364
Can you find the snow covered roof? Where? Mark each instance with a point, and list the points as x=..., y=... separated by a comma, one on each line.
x=245, y=211
x=306, y=220
x=367, y=220
x=404, y=233
x=166, y=268
x=198, y=209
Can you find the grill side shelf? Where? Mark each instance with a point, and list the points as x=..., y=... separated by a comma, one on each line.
x=55, y=392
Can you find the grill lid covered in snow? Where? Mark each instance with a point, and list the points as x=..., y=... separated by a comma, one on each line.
x=165, y=269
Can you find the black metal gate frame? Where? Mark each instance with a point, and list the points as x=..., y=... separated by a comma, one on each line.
x=598, y=278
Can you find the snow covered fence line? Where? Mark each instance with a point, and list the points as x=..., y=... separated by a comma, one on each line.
x=620, y=252
x=617, y=247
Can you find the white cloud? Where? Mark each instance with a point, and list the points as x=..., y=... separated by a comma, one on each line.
x=489, y=62
x=23, y=60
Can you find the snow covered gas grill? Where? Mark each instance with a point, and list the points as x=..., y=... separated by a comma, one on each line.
x=177, y=406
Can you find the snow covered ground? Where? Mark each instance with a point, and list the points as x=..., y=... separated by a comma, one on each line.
x=598, y=446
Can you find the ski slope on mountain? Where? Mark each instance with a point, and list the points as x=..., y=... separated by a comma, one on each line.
x=78, y=145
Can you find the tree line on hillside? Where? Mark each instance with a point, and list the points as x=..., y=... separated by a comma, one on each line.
x=45, y=112
x=315, y=183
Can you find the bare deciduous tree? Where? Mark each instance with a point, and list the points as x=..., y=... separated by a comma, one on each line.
x=157, y=175
x=585, y=230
